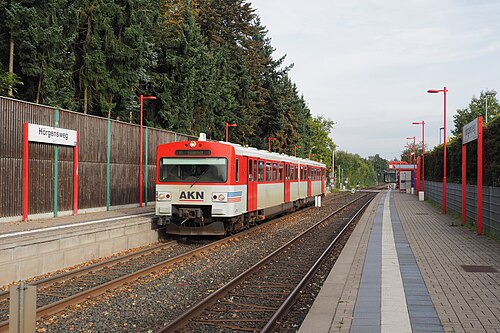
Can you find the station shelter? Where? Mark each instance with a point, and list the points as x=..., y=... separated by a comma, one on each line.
x=401, y=173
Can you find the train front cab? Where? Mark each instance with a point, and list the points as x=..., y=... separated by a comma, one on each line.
x=200, y=189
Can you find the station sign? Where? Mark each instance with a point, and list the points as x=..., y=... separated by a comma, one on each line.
x=52, y=135
x=469, y=132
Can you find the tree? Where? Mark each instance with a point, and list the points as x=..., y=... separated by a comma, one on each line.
x=8, y=80
x=42, y=33
x=380, y=165
x=354, y=169
x=319, y=130
x=476, y=108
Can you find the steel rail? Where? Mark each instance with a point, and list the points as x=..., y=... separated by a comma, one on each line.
x=100, y=289
x=211, y=299
x=292, y=297
x=94, y=267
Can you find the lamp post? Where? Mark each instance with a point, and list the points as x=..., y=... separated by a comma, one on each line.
x=414, y=149
x=444, y=91
x=295, y=150
x=489, y=93
x=423, y=149
x=310, y=151
x=409, y=153
x=141, y=100
x=227, y=130
x=269, y=139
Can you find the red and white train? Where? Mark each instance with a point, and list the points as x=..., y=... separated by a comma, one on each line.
x=217, y=188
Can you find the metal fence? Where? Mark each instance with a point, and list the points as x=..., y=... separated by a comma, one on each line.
x=491, y=202
x=108, y=160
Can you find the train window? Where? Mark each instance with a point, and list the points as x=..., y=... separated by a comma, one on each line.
x=296, y=172
x=280, y=172
x=275, y=172
x=268, y=171
x=237, y=170
x=198, y=169
x=254, y=170
x=261, y=171
x=250, y=170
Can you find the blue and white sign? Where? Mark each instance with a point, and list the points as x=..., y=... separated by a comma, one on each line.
x=53, y=135
x=469, y=132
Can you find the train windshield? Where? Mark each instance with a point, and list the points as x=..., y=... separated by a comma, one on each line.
x=209, y=170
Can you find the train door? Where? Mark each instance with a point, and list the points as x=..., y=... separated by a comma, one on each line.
x=286, y=180
x=323, y=180
x=309, y=181
x=252, y=185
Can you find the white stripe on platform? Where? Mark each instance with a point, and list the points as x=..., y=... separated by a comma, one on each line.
x=393, y=312
x=76, y=224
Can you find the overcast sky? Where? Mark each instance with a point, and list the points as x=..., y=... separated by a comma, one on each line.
x=367, y=64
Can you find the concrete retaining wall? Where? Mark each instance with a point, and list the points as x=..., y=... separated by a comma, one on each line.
x=26, y=256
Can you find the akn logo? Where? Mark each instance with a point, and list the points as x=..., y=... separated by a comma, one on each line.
x=191, y=195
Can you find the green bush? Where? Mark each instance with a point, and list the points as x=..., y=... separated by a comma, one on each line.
x=491, y=158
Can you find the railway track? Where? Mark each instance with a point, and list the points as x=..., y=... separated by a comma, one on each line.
x=257, y=299
x=58, y=292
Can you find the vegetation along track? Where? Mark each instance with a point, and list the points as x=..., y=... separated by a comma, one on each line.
x=102, y=310
x=257, y=299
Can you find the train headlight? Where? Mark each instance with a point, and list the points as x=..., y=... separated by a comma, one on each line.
x=219, y=197
x=192, y=144
x=164, y=196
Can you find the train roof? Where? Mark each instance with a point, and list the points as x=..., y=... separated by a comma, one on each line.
x=254, y=152
x=250, y=151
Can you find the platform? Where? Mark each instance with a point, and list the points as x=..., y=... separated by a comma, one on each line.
x=408, y=268
x=41, y=246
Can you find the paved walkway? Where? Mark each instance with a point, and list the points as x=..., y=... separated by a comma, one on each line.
x=401, y=271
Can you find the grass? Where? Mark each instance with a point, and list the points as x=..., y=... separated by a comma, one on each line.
x=340, y=324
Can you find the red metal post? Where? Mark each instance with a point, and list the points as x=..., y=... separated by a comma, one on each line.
x=423, y=155
x=464, y=184
x=444, y=162
x=479, y=175
x=25, y=172
x=418, y=174
x=227, y=130
x=75, y=176
x=444, y=91
x=141, y=100
x=414, y=150
x=415, y=160
x=295, y=150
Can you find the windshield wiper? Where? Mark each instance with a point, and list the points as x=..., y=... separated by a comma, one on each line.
x=198, y=178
